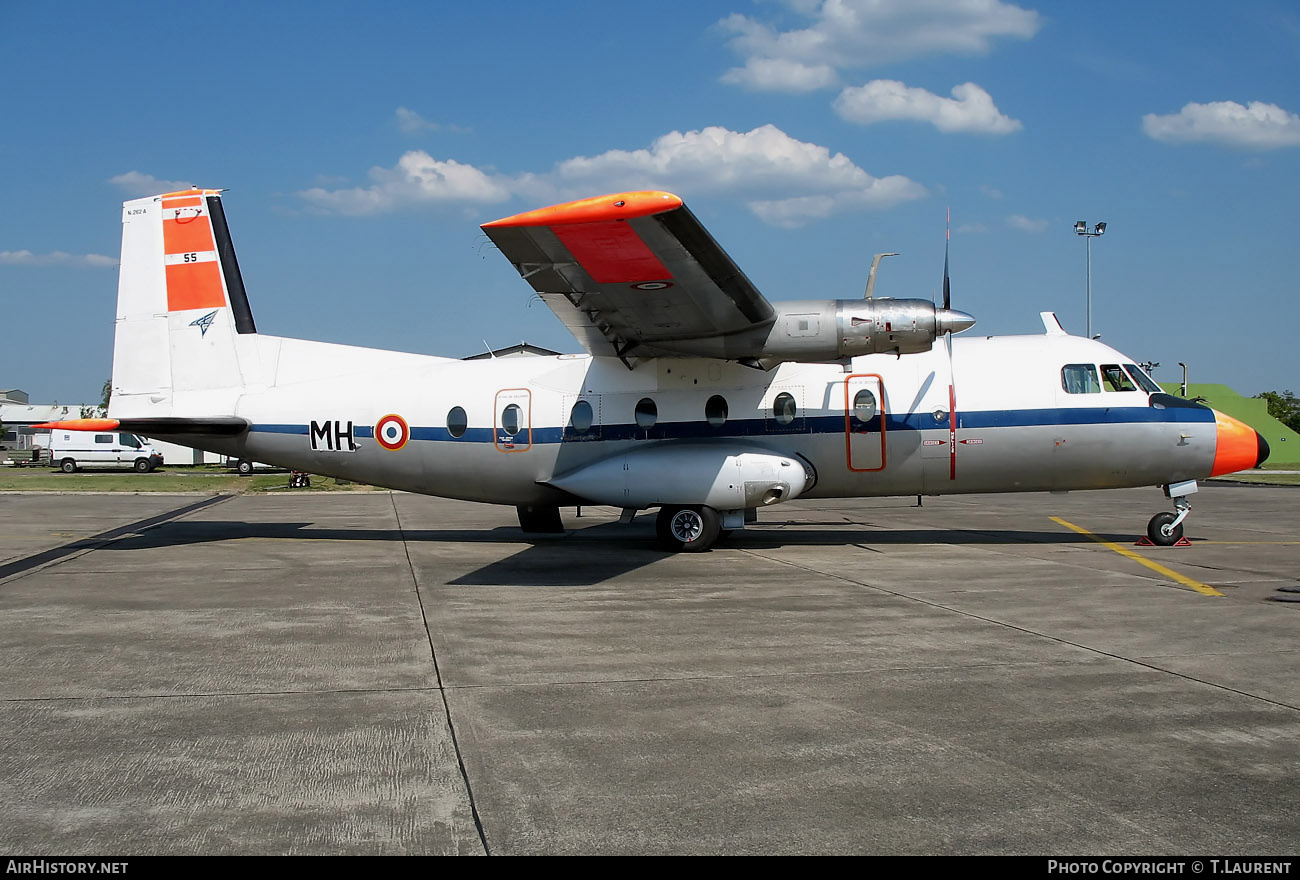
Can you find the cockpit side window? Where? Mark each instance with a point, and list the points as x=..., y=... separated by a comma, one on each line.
x=1115, y=379
x=1145, y=382
x=1080, y=379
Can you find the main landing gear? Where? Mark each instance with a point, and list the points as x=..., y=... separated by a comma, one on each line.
x=1166, y=529
x=691, y=529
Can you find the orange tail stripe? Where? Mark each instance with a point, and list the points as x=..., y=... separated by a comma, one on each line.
x=194, y=286
x=183, y=236
x=192, y=202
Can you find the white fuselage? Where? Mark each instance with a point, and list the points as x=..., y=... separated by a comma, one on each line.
x=315, y=407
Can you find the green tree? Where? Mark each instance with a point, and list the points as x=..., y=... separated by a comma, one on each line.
x=1284, y=407
x=98, y=412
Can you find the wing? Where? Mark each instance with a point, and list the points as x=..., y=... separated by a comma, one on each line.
x=636, y=275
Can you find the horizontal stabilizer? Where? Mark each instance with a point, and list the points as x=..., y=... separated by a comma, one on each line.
x=221, y=426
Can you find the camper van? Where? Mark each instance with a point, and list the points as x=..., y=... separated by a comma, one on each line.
x=71, y=450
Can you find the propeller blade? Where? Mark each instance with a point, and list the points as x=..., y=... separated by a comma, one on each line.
x=947, y=234
x=953, y=322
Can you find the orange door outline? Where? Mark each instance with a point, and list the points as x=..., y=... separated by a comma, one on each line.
x=849, y=433
x=522, y=440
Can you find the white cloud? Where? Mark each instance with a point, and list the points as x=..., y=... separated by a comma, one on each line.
x=781, y=75
x=970, y=109
x=1027, y=224
x=783, y=180
x=56, y=258
x=1254, y=126
x=412, y=123
x=856, y=34
x=137, y=184
x=417, y=179
x=991, y=191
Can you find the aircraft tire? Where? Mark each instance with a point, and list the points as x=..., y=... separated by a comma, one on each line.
x=1159, y=532
x=691, y=529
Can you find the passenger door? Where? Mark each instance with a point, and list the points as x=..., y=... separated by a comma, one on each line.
x=864, y=422
x=513, y=420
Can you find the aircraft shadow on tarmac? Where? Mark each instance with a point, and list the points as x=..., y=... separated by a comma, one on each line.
x=591, y=555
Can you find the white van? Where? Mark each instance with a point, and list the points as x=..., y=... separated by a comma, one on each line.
x=71, y=450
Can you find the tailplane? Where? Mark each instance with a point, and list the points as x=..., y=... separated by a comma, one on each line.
x=181, y=310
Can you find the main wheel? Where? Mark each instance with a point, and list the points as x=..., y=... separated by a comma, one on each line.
x=244, y=467
x=69, y=466
x=688, y=529
x=1162, y=531
x=142, y=466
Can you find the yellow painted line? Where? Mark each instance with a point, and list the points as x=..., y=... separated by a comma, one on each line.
x=1248, y=542
x=1199, y=587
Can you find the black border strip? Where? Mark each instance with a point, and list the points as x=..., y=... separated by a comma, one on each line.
x=230, y=268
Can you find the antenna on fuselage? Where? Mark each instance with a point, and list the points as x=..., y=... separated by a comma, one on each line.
x=871, y=275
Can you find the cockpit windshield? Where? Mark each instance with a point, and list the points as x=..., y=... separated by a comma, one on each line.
x=1115, y=379
x=1083, y=379
x=1145, y=382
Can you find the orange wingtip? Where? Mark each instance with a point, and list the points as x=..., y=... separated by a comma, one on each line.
x=191, y=192
x=81, y=425
x=616, y=206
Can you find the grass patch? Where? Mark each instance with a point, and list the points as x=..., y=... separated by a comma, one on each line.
x=1274, y=479
x=206, y=480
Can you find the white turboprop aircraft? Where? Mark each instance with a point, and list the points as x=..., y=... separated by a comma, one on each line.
x=696, y=395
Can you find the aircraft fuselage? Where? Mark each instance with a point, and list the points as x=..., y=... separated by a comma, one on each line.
x=1016, y=427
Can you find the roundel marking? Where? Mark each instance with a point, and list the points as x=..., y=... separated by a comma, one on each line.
x=392, y=432
x=652, y=285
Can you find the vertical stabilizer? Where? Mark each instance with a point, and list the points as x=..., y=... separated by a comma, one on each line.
x=181, y=308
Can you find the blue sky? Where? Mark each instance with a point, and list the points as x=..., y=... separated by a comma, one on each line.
x=362, y=144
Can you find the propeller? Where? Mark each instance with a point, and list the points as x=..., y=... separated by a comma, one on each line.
x=948, y=321
x=951, y=322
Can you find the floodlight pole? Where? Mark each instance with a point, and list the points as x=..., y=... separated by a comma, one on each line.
x=1081, y=228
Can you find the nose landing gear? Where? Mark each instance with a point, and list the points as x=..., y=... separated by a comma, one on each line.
x=1166, y=529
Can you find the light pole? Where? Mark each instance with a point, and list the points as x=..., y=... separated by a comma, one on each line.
x=1081, y=228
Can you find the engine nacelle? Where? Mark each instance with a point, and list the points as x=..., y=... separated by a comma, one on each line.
x=729, y=477
x=825, y=330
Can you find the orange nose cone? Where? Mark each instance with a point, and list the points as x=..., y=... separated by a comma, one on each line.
x=1238, y=447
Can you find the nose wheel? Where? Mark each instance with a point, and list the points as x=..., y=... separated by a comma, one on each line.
x=1166, y=529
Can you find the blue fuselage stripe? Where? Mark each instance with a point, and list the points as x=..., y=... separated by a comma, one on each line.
x=831, y=424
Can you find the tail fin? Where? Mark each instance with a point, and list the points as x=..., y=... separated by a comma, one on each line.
x=181, y=309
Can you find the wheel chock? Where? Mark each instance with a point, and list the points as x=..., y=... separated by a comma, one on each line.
x=1144, y=541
